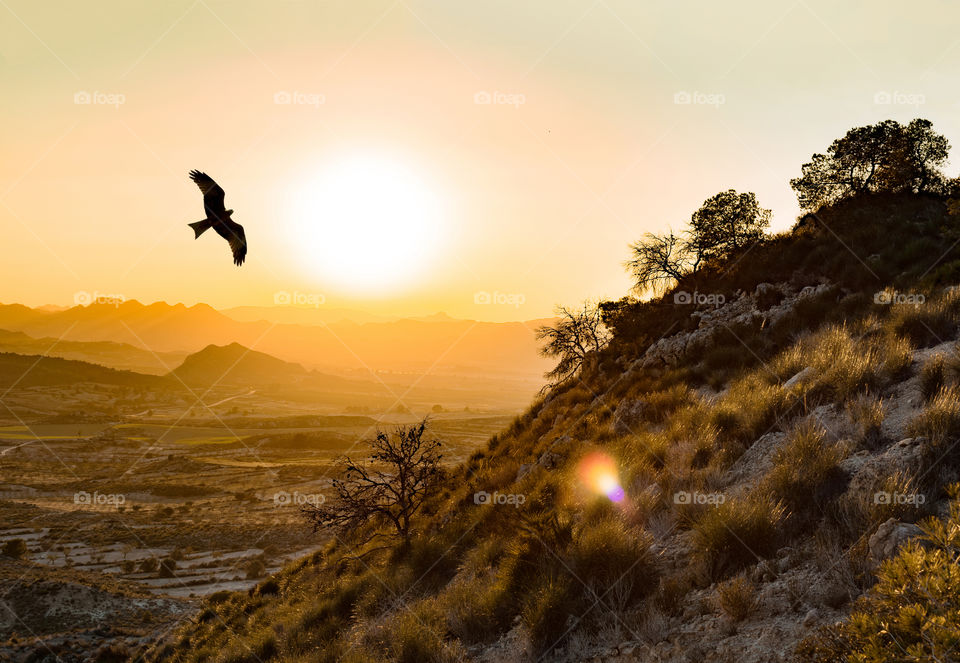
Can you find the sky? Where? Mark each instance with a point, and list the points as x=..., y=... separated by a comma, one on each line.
x=487, y=159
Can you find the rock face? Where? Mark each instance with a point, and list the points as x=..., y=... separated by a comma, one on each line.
x=743, y=308
x=888, y=538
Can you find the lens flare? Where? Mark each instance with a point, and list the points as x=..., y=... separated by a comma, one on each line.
x=599, y=473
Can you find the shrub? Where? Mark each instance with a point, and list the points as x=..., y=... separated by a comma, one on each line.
x=867, y=414
x=940, y=423
x=844, y=365
x=940, y=420
x=15, y=548
x=911, y=614
x=547, y=612
x=476, y=610
x=932, y=376
x=413, y=635
x=614, y=561
x=737, y=532
x=930, y=322
x=255, y=568
x=149, y=565
x=167, y=567
x=737, y=598
x=748, y=409
x=806, y=472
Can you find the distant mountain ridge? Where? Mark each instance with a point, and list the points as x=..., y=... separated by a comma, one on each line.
x=439, y=344
x=121, y=356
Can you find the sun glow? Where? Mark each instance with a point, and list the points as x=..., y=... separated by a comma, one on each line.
x=599, y=473
x=367, y=224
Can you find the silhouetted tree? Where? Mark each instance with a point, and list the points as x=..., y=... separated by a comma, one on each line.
x=887, y=156
x=574, y=337
x=726, y=223
x=659, y=261
x=390, y=486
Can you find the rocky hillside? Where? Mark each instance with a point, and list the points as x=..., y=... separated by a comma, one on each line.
x=743, y=474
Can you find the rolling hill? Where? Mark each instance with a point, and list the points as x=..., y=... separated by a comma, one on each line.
x=236, y=364
x=36, y=370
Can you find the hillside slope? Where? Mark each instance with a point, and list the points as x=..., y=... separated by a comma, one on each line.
x=38, y=370
x=720, y=484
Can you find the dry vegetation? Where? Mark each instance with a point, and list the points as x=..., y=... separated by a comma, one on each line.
x=545, y=577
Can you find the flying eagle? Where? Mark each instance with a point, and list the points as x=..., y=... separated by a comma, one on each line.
x=218, y=217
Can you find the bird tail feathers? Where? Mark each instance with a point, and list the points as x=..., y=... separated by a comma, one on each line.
x=200, y=227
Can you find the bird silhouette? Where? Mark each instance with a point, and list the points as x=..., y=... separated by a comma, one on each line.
x=218, y=217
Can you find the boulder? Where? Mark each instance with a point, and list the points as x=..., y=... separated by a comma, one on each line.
x=889, y=537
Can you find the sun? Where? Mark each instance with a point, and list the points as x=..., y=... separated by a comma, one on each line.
x=367, y=224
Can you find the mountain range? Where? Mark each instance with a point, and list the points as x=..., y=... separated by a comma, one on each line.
x=155, y=337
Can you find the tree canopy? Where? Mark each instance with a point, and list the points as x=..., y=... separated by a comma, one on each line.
x=886, y=156
x=725, y=224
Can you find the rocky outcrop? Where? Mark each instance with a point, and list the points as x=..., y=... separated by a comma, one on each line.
x=743, y=308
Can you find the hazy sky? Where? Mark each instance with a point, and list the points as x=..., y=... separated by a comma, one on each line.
x=403, y=156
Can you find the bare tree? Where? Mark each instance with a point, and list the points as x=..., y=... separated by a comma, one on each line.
x=659, y=261
x=574, y=337
x=390, y=486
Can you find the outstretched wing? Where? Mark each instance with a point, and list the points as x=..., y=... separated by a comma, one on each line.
x=238, y=242
x=212, y=195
